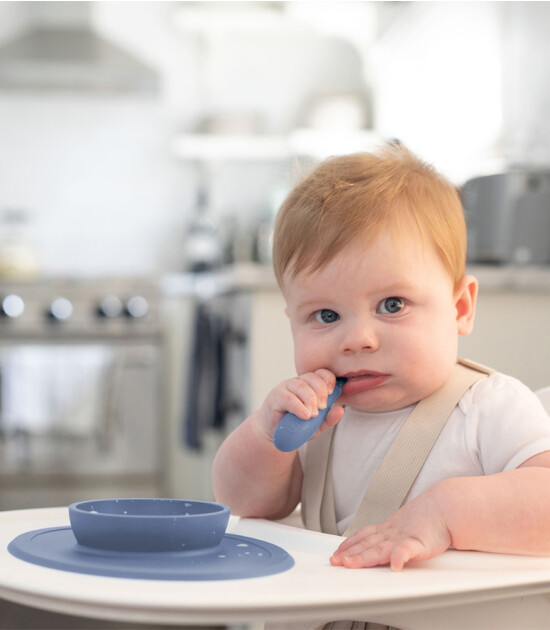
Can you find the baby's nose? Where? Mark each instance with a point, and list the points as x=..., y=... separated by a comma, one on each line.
x=360, y=337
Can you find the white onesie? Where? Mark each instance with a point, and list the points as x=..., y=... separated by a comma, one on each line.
x=498, y=424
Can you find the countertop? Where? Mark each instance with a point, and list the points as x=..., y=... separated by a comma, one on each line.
x=511, y=277
x=256, y=277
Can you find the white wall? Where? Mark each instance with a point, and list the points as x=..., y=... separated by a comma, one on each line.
x=96, y=173
x=438, y=77
x=466, y=84
x=526, y=63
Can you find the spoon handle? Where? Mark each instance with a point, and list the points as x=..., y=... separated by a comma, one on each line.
x=292, y=432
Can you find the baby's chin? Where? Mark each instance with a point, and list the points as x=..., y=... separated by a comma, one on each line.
x=378, y=402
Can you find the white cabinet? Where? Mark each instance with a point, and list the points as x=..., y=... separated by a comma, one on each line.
x=511, y=325
x=271, y=348
x=511, y=335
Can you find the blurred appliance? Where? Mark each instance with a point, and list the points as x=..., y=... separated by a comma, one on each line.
x=203, y=247
x=59, y=49
x=508, y=217
x=18, y=257
x=80, y=391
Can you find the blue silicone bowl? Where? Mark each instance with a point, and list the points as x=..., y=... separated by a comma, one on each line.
x=148, y=525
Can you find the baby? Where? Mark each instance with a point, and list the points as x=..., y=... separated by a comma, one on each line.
x=369, y=252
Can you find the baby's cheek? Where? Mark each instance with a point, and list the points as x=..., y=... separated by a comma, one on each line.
x=308, y=357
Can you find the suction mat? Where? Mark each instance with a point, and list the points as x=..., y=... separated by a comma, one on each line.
x=236, y=557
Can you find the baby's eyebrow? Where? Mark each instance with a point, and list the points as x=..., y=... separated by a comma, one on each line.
x=393, y=288
x=317, y=305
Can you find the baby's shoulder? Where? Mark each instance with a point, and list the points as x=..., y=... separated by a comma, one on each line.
x=499, y=393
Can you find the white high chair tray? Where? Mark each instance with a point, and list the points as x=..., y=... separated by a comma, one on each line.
x=455, y=590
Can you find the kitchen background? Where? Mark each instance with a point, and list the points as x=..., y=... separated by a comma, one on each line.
x=144, y=149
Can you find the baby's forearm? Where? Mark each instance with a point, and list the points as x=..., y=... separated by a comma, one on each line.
x=253, y=477
x=504, y=513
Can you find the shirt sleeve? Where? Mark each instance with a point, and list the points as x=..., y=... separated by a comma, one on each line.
x=507, y=423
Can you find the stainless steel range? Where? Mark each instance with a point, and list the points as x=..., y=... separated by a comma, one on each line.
x=80, y=391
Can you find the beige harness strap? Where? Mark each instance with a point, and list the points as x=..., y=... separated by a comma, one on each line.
x=358, y=625
x=400, y=466
x=318, y=509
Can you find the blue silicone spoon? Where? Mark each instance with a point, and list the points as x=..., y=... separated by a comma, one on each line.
x=292, y=432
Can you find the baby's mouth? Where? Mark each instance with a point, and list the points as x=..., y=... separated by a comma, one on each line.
x=363, y=381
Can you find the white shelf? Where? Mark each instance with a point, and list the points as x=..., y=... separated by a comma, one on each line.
x=300, y=142
x=324, y=143
x=212, y=147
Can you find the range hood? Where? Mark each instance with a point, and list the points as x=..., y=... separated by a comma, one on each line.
x=69, y=55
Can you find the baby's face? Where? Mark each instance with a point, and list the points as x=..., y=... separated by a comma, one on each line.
x=385, y=316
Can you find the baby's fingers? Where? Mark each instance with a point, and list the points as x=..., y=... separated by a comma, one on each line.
x=359, y=536
x=322, y=383
x=360, y=551
x=406, y=551
x=305, y=399
x=369, y=552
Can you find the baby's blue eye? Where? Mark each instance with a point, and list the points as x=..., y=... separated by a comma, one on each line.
x=326, y=316
x=390, y=306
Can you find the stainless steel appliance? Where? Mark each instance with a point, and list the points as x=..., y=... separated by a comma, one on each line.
x=80, y=391
x=61, y=48
x=508, y=217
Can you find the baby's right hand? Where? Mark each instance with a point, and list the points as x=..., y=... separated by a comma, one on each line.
x=303, y=396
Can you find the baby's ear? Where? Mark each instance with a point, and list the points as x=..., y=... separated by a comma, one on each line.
x=465, y=303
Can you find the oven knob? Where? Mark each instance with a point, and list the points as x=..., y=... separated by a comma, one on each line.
x=137, y=306
x=110, y=306
x=12, y=306
x=60, y=309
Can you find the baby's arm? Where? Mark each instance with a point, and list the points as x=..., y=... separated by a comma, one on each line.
x=250, y=474
x=507, y=512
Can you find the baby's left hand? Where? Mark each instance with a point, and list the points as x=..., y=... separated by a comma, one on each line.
x=416, y=531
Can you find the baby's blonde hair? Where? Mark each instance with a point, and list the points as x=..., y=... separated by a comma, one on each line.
x=358, y=197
